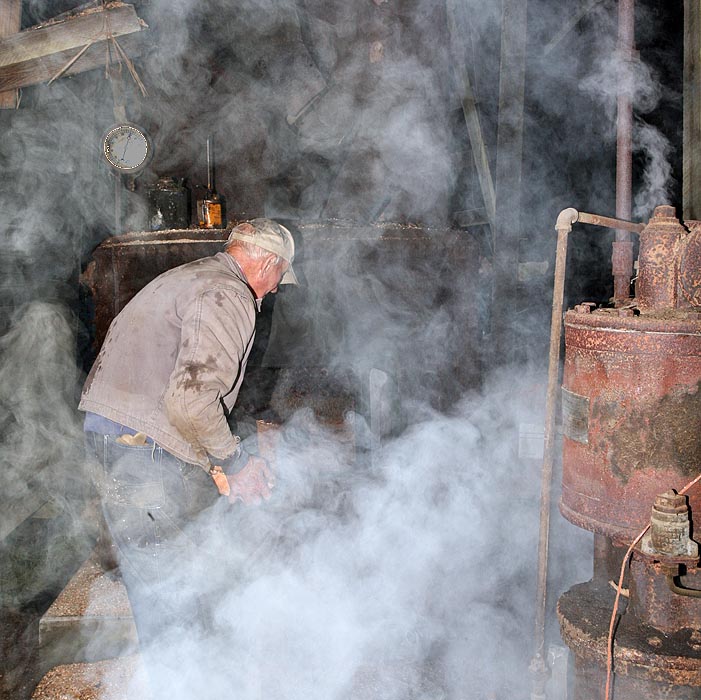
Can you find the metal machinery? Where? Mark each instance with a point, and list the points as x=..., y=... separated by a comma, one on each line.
x=631, y=407
x=367, y=300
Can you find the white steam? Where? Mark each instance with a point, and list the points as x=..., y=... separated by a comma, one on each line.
x=614, y=74
x=657, y=180
x=414, y=580
x=42, y=457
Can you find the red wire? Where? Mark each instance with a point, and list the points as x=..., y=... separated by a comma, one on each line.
x=614, y=613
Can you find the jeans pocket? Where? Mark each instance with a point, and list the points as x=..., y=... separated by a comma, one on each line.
x=132, y=474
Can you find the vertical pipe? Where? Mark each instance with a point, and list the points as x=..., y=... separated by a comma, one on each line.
x=538, y=669
x=622, y=259
x=117, y=204
x=210, y=184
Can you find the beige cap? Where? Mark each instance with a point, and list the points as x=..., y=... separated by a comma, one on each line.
x=268, y=235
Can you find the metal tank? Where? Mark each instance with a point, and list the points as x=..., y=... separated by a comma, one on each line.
x=371, y=296
x=631, y=424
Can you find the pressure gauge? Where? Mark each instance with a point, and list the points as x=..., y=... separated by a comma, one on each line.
x=126, y=147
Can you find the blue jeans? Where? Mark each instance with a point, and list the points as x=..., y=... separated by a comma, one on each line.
x=161, y=513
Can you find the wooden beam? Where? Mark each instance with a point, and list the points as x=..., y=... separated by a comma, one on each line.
x=507, y=231
x=39, y=54
x=570, y=24
x=480, y=153
x=691, y=152
x=478, y=146
x=10, y=23
x=43, y=69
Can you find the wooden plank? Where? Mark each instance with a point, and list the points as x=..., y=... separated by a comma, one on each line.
x=10, y=23
x=69, y=34
x=691, y=158
x=480, y=152
x=507, y=231
x=571, y=22
x=46, y=67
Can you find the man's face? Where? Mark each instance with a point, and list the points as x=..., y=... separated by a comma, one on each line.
x=268, y=278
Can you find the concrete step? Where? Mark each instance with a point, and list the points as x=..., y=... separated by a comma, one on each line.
x=113, y=679
x=90, y=620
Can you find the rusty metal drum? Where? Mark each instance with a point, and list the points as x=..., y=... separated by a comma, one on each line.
x=631, y=409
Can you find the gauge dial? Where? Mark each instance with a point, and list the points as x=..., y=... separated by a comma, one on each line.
x=126, y=147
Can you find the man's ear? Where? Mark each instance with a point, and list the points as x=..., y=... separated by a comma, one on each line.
x=267, y=263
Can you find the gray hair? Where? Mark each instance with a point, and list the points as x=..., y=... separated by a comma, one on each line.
x=253, y=251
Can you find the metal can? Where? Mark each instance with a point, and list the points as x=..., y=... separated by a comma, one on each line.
x=168, y=205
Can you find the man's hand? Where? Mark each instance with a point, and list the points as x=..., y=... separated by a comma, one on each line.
x=253, y=483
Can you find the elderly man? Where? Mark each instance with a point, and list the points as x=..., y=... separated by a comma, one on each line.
x=156, y=403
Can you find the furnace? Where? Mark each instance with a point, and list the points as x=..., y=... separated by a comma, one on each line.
x=631, y=423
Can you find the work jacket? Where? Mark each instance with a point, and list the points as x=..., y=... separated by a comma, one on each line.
x=174, y=358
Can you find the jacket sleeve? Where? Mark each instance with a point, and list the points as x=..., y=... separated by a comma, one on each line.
x=217, y=332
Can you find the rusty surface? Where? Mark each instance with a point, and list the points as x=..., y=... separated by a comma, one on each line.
x=367, y=294
x=639, y=378
x=670, y=525
x=690, y=266
x=624, y=139
x=622, y=260
x=609, y=222
x=607, y=560
x=652, y=602
x=648, y=663
x=656, y=287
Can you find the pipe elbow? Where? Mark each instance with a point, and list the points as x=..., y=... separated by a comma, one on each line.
x=566, y=218
x=681, y=590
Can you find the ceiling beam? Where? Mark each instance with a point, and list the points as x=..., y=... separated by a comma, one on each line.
x=70, y=46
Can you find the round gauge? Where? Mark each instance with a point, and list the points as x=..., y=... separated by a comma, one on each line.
x=126, y=147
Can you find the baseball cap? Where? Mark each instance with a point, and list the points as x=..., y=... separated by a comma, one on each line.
x=271, y=236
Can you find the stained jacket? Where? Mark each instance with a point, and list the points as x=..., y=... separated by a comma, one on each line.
x=174, y=358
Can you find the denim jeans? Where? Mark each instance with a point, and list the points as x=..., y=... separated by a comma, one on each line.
x=161, y=512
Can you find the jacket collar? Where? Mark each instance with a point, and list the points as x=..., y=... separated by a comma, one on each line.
x=233, y=265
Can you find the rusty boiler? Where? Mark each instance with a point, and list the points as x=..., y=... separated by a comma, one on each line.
x=631, y=407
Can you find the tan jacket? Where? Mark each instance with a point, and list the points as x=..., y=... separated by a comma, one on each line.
x=174, y=358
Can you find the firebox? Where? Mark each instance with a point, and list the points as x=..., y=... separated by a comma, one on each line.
x=384, y=312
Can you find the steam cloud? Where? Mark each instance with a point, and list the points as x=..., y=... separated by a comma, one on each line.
x=411, y=580
x=416, y=579
x=42, y=458
x=614, y=74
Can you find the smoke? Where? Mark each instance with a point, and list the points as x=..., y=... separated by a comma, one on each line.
x=614, y=74
x=412, y=579
x=42, y=457
x=657, y=179
x=319, y=101
x=420, y=569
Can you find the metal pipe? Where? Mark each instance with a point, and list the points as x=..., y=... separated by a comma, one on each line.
x=210, y=177
x=563, y=226
x=117, y=204
x=680, y=590
x=622, y=259
x=608, y=222
x=537, y=667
